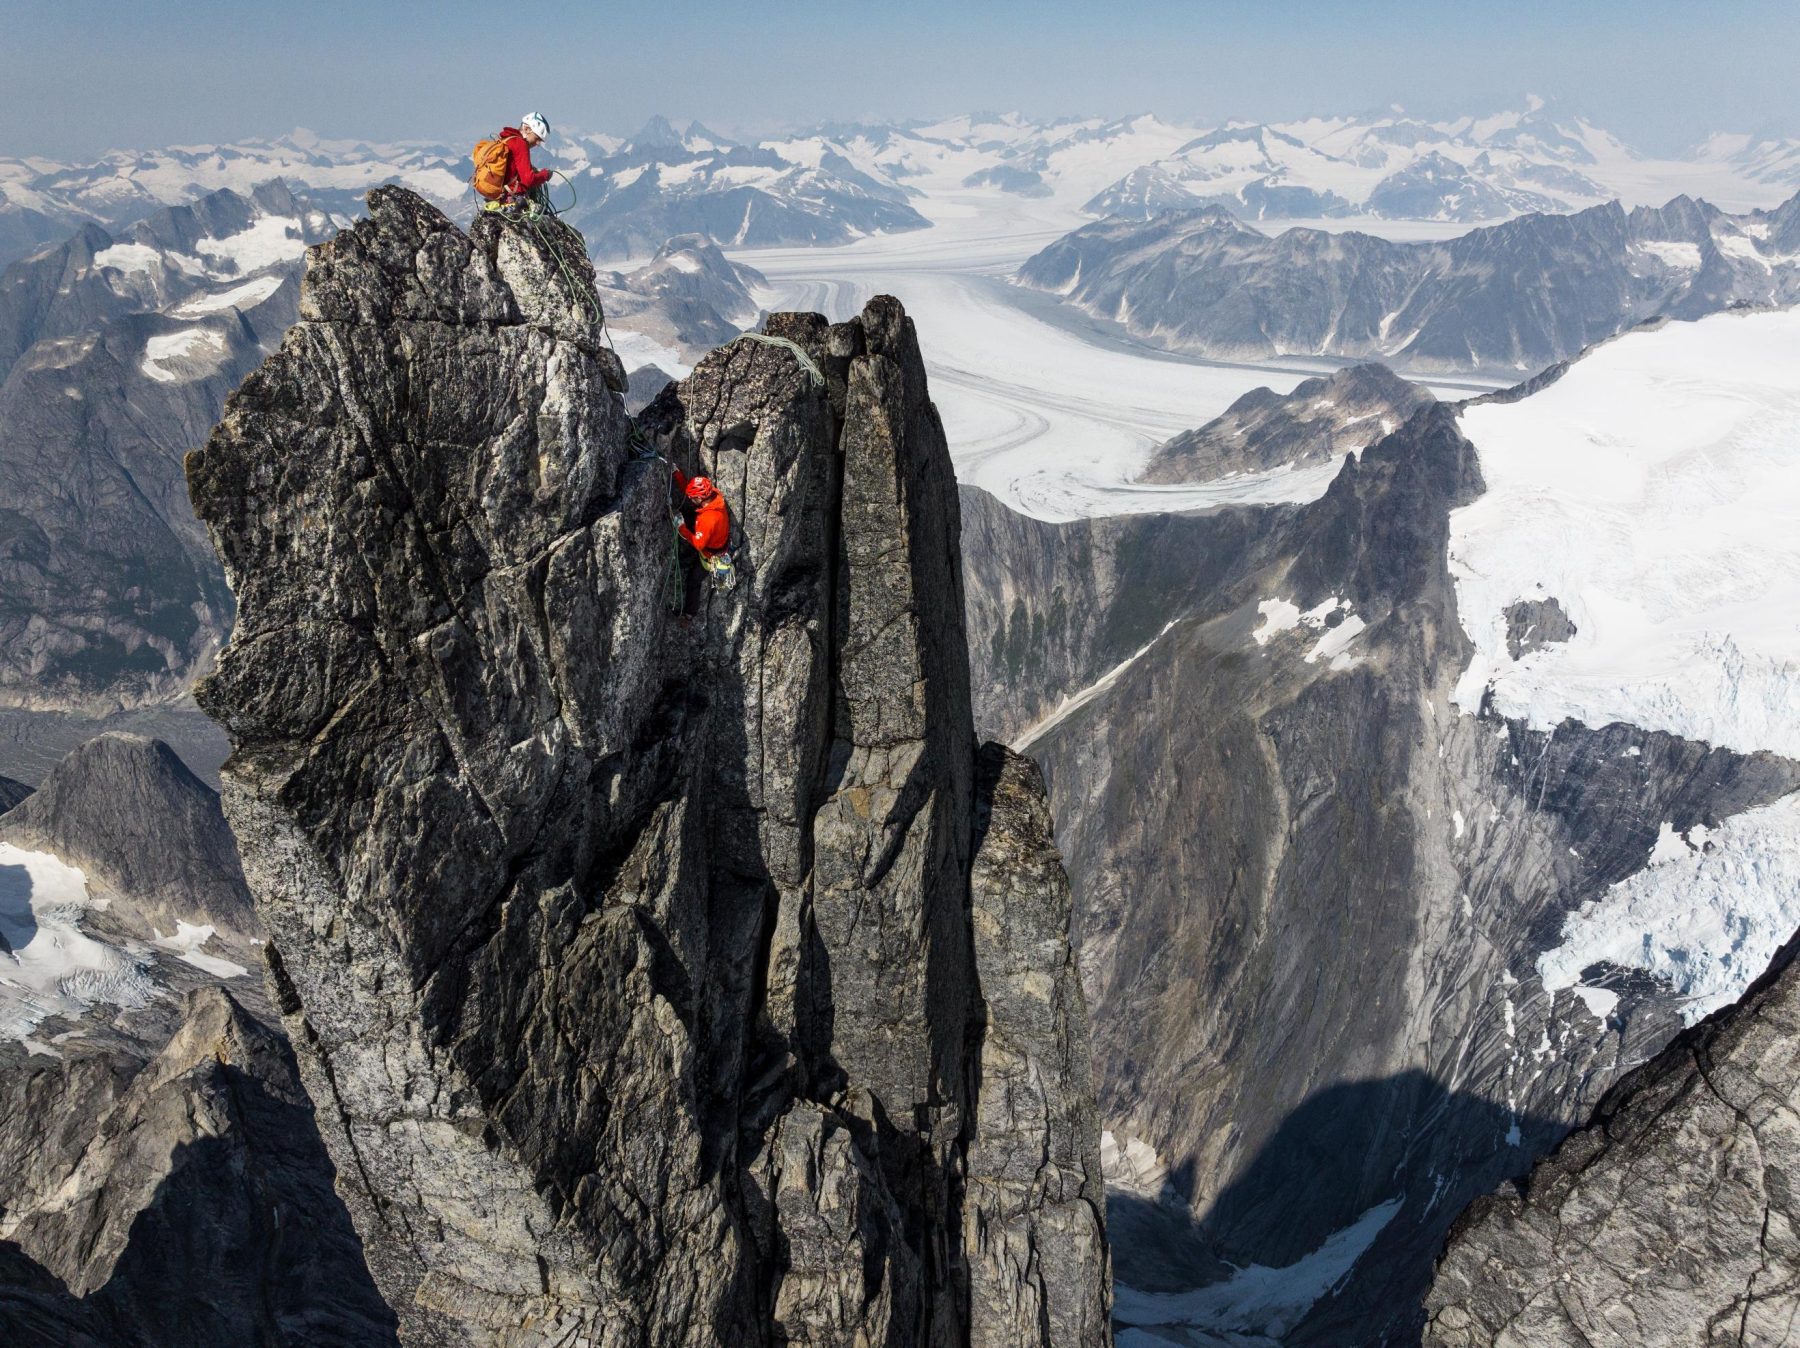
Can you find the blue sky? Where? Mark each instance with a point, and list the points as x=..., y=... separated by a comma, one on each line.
x=81, y=76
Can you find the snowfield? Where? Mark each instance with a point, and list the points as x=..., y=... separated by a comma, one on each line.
x=48, y=965
x=1654, y=492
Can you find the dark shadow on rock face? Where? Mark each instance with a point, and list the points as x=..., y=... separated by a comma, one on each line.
x=38, y=1311
x=18, y=924
x=244, y=1241
x=1345, y=1150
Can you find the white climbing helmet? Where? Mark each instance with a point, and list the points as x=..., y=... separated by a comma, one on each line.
x=534, y=122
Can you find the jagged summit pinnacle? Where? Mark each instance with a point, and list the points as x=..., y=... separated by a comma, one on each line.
x=630, y=958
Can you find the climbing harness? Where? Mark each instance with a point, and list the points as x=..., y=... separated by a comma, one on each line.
x=799, y=353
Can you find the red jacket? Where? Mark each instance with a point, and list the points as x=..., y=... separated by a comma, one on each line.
x=711, y=533
x=520, y=176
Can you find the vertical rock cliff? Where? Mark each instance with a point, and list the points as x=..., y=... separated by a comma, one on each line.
x=659, y=979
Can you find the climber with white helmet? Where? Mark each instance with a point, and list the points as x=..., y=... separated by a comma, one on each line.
x=504, y=174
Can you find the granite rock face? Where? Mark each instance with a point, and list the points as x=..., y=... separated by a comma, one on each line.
x=636, y=960
x=1037, y=1249
x=1668, y=1221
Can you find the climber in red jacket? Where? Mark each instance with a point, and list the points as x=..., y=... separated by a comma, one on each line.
x=504, y=177
x=711, y=531
x=522, y=179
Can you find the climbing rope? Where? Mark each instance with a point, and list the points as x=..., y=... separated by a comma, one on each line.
x=806, y=362
x=531, y=216
x=581, y=287
x=674, y=587
x=674, y=590
x=553, y=208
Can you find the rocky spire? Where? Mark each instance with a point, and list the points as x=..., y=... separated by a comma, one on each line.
x=643, y=967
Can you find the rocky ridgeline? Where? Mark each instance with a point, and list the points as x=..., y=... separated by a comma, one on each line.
x=1668, y=1221
x=162, y=1179
x=658, y=980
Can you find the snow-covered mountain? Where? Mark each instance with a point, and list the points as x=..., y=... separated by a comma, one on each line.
x=664, y=315
x=663, y=183
x=116, y=353
x=1512, y=297
x=46, y=199
x=832, y=183
x=1394, y=167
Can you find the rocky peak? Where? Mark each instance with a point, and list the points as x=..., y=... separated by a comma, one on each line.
x=635, y=959
x=182, y=1198
x=128, y=812
x=1667, y=1220
x=1320, y=419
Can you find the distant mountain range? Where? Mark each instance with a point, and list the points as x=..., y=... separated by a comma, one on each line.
x=116, y=353
x=1395, y=167
x=1513, y=297
x=832, y=183
x=662, y=183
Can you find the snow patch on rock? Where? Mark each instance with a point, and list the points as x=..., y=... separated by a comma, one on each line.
x=189, y=345
x=246, y=296
x=186, y=945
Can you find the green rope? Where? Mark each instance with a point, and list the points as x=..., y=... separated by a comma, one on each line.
x=573, y=198
x=587, y=292
x=799, y=353
x=574, y=281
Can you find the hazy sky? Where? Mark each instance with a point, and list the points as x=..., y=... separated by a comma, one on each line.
x=81, y=76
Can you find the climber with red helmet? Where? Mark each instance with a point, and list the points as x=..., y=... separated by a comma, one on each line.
x=710, y=534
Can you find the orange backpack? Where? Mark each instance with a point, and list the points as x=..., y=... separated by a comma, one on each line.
x=493, y=161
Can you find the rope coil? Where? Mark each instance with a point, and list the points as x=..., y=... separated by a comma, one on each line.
x=799, y=353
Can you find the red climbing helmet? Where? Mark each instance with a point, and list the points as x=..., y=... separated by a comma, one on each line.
x=699, y=488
